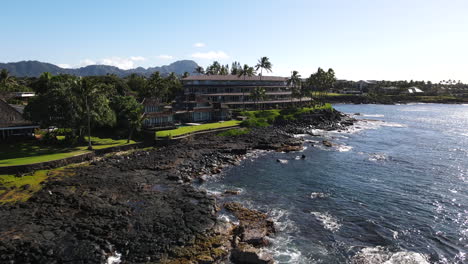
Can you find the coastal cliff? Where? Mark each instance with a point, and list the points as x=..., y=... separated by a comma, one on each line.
x=142, y=207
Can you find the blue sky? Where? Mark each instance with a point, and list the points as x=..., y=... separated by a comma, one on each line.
x=359, y=39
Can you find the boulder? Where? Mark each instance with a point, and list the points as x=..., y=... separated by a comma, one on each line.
x=253, y=227
x=246, y=254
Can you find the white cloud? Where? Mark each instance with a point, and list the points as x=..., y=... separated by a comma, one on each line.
x=165, y=57
x=64, y=65
x=137, y=58
x=211, y=55
x=86, y=62
x=118, y=62
x=199, y=45
x=122, y=63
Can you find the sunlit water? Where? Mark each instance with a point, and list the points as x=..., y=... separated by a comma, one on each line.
x=393, y=190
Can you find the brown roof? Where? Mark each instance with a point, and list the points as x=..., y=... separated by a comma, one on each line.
x=231, y=78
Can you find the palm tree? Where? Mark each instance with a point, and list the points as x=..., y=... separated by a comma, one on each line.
x=224, y=70
x=199, y=70
x=295, y=83
x=263, y=63
x=213, y=69
x=235, y=68
x=6, y=80
x=4, y=76
x=258, y=94
x=245, y=71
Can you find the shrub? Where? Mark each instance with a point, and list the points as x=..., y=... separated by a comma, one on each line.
x=234, y=132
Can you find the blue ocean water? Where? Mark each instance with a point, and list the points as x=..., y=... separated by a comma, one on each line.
x=392, y=189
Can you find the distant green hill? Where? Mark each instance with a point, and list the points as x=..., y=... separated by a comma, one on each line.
x=36, y=68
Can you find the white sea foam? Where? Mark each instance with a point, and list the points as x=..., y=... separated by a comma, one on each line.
x=315, y=195
x=317, y=132
x=282, y=161
x=380, y=255
x=343, y=148
x=281, y=246
x=376, y=115
x=300, y=135
x=114, y=259
x=327, y=220
x=388, y=124
x=226, y=218
x=378, y=157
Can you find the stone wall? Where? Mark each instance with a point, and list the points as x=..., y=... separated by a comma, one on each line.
x=20, y=169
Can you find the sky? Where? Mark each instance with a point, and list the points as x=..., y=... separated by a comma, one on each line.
x=359, y=39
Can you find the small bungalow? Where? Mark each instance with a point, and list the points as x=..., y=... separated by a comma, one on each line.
x=413, y=90
x=12, y=122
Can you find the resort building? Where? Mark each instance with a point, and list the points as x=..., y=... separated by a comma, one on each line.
x=12, y=122
x=157, y=114
x=235, y=92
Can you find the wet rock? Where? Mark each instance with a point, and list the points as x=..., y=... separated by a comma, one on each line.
x=254, y=225
x=142, y=206
x=327, y=143
x=290, y=148
x=232, y=192
x=246, y=254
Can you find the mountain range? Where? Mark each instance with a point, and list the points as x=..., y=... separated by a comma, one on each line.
x=36, y=68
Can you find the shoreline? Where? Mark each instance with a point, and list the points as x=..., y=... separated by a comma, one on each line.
x=144, y=206
x=393, y=99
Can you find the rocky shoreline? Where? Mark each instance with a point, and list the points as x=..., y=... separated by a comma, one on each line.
x=142, y=207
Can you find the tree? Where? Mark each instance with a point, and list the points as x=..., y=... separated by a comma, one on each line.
x=245, y=71
x=213, y=69
x=156, y=87
x=321, y=81
x=129, y=113
x=235, y=68
x=224, y=70
x=174, y=86
x=94, y=104
x=258, y=94
x=185, y=75
x=199, y=70
x=263, y=63
x=295, y=83
x=7, y=82
x=136, y=82
x=55, y=106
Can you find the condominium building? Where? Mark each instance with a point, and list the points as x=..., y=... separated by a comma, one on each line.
x=235, y=92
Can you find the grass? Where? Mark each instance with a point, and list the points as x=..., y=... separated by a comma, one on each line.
x=30, y=152
x=190, y=129
x=264, y=118
x=19, y=189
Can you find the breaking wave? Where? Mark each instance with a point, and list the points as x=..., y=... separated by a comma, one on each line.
x=328, y=221
x=380, y=255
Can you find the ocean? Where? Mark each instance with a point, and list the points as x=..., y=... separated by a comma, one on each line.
x=392, y=189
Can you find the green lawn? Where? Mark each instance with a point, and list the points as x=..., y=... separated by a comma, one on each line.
x=29, y=152
x=14, y=188
x=190, y=129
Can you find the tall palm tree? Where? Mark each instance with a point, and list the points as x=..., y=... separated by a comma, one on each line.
x=199, y=70
x=258, y=94
x=235, y=68
x=245, y=71
x=263, y=63
x=295, y=83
